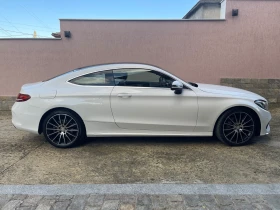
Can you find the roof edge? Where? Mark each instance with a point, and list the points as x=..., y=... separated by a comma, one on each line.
x=199, y=4
x=138, y=20
x=10, y=38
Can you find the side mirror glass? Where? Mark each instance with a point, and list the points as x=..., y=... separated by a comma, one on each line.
x=177, y=87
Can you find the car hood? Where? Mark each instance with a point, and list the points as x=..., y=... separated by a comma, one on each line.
x=218, y=89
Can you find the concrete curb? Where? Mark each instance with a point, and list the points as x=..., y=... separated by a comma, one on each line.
x=81, y=189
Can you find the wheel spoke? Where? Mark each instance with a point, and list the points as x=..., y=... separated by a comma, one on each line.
x=247, y=122
x=244, y=118
x=67, y=137
x=230, y=133
x=244, y=134
x=64, y=138
x=53, y=125
x=229, y=124
x=53, y=133
x=229, y=129
x=241, y=136
x=232, y=136
x=68, y=122
x=59, y=120
x=73, y=130
x=59, y=138
x=55, y=121
x=71, y=135
x=231, y=120
x=247, y=130
x=64, y=119
x=55, y=137
x=236, y=140
x=235, y=118
x=53, y=129
x=71, y=126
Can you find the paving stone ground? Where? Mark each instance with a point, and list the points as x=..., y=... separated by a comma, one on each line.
x=140, y=202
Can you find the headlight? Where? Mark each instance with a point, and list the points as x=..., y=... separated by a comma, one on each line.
x=263, y=104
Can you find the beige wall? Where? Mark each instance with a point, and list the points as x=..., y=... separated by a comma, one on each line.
x=247, y=46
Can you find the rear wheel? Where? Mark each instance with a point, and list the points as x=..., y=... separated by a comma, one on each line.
x=63, y=129
x=236, y=127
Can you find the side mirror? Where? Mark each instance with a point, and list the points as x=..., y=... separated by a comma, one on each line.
x=177, y=87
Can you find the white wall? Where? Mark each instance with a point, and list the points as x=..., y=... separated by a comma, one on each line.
x=211, y=11
x=198, y=14
x=207, y=11
x=223, y=9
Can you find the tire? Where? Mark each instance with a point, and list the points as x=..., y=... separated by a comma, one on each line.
x=63, y=129
x=236, y=127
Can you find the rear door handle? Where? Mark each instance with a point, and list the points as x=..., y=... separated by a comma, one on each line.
x=124, y=95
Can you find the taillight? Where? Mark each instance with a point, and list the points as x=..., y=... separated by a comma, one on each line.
x=22, y=97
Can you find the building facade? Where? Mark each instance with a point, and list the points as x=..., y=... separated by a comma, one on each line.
x=246, y=46
x=206, y=9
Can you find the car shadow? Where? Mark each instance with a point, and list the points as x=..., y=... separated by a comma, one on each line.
x=151, y=140
x=165, y=140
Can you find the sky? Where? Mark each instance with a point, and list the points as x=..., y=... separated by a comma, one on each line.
x=20, y=18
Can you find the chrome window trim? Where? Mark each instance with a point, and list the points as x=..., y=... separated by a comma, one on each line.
x=68, y=81
x=173, y=77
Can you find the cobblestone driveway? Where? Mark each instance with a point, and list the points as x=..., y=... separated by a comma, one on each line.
x=140, y=202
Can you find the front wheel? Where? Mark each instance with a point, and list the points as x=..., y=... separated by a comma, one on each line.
x=236, y=127
x=63, y=129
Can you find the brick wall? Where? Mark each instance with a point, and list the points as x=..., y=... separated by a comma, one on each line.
x=6, y=102
x=268, y=88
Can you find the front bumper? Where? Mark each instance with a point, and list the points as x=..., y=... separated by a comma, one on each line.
x=265, y=118
x=267, y=129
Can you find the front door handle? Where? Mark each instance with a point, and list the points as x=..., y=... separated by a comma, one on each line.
x=124, y=95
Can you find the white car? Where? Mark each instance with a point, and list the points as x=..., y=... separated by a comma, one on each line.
x=131, y=99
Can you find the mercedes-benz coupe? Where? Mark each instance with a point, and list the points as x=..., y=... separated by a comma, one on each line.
x=130, y=99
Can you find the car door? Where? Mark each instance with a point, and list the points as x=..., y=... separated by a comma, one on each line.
x=142, y=100
x=89, y=95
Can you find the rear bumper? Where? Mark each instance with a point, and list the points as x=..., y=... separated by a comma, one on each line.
x=25, y=117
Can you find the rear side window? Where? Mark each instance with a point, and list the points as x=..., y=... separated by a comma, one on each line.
x=103, y=78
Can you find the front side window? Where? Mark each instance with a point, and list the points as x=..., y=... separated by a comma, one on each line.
x=141, y=78
x=103, y=78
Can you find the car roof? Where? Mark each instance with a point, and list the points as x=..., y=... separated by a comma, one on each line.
x=101, y=67
x=110, y=66
x=104, y=67
x=118, y=65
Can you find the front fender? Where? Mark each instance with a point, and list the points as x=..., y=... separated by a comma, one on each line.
x=210, y=109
